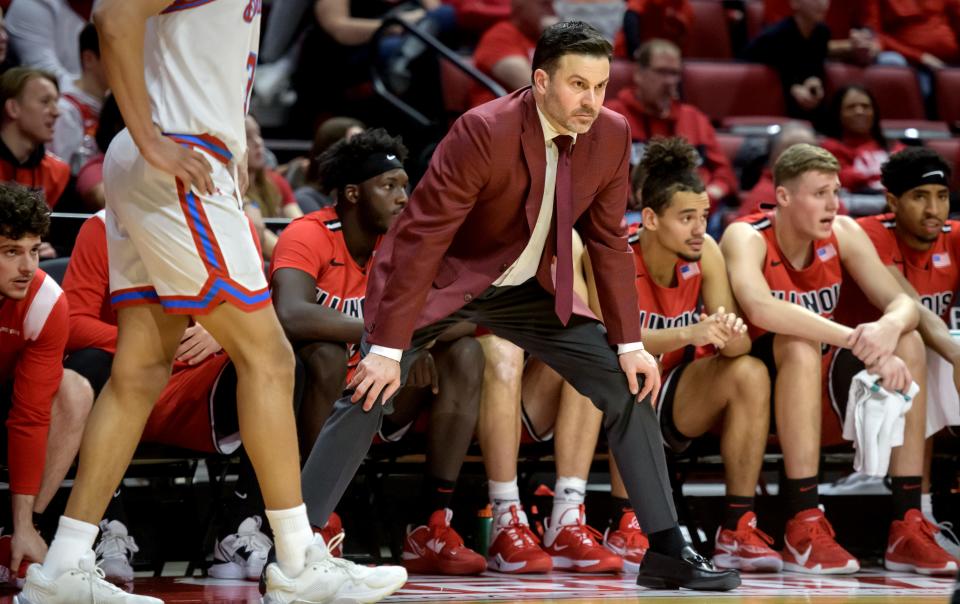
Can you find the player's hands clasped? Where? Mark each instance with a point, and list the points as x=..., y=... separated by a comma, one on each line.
x=873, y=342
x=717, y=329
x=375, y=375
x=642, y=363
x=190, y=167
x=894, y=374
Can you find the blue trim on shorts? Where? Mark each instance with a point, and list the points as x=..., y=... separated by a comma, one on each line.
x=218, y=285
x=201, y=230
x=140, y=295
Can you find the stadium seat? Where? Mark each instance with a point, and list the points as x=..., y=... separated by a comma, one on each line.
x=55, y=267
x=754, y=16
x=948, y=94
x=914, y=129
x=621, y=76
x=709, y=35
x=949, y=148
x=896, y=90
x=723, y=90
x=841, y=74
x=456, y=87
x=730, y=143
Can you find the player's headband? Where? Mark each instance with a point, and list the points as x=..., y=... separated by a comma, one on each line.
x=374, y=165
x=931, y=174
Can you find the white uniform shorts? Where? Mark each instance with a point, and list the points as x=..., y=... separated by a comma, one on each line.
x=185, y=251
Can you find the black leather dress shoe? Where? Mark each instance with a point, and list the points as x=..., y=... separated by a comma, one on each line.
x=690, y=571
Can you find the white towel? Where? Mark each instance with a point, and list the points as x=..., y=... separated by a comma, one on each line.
x=943, y=403
x=875, y=422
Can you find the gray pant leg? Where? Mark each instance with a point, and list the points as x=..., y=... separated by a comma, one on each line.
x=281, y=27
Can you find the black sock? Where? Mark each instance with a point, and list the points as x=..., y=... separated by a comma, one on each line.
x=669, y=542
x=733, y=510
x=906, y=495
x=618, y=507
x=801, y=494
x=439, y=494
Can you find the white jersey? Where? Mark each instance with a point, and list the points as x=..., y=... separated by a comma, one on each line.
x=200, y=56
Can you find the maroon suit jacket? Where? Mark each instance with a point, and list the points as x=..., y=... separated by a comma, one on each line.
x=472, y=214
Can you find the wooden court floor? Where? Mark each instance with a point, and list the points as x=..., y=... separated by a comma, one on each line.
x=867, y=587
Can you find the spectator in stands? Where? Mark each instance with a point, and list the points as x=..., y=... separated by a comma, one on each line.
x=687, y=308
x=505, y=51
x=856, y=139
x=764, y=192
x=33, y=333
x=797, y=48
x=44, y=34
x=646, y=20
x=319, y=276
x=481, y=15
x=197, y=410
x=89, y=183
x=912, y=240
x=925, y=33
x=653, y=109
x=74, y=138
x=302, y=172
x=786, y=268
x=853, y=38
x=29, y=101
x=5, y=54
x=525, y=401
x=268, y=194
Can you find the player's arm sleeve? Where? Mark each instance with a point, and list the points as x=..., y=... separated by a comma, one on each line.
x=36, y=380
x=87, y=287
x=605, y=237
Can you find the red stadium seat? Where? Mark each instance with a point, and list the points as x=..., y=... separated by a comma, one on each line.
x=948, y=95
x=722, y=90
x=709, y=35
x=920, y=129
x=840, y=75
x=730, y=143
x=754, y=16
x=897, y=92
x=621, y=76
x=456, y=87
x=949, y=148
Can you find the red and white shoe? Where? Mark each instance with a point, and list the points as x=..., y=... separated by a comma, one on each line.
x=912, y=547
x=810, y=546
x=331, y=529
x=437, y=549
x=514, y=548
x=628, y=542
x=747, y=548
x=575, y=547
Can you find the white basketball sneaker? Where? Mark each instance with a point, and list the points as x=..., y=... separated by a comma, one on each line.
x=243, y=554
x=115, y=551
x=329, y=579
x=82, y=585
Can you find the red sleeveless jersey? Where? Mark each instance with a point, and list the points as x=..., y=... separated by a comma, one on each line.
x=816, y=287
x=666, y=307
x=934, y=273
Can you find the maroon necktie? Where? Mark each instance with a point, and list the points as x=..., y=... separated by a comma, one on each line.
x=563, y=208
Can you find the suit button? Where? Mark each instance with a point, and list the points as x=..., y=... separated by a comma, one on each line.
x=467, y=297
x=504, y=267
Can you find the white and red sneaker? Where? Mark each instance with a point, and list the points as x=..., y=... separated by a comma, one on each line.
x=437, y=549
x=810, y=546
x=747, y=548
x=628, y=542
x=912, y=547
x=514, y=548
x=331, y=529
x=575, y=546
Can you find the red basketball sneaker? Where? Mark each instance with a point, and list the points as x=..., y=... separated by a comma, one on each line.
x=747, y=548
x=437, y=549
x=913, y=547
x=628, y=542
x=515, y=549
x=331, y=529
x=810, y=547
x=574, y=547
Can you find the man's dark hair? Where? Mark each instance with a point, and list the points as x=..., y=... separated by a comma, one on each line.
x=336, y=165
x=569, y=38
x=669, y=166
x=89, y=40
x=905, y=167
x=646, y=51
x=22, y=212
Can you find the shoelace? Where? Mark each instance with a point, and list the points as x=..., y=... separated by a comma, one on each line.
x=116, y=546
x=447, y=535
x=753, y=535
x=946, y=527
x=821, y=533
x=255, y=541
x=519, y=532
x=585, y=532
x=929, y=530
x=355, y=571
x=97, y=579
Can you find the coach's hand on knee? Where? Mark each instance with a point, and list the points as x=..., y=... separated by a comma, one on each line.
x=641, y=362
x=375, y=375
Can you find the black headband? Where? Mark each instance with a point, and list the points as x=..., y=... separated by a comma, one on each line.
x=931, y=174
x=374, y=165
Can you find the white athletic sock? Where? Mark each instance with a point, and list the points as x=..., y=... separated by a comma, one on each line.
x=291, y=536
x=926, y=506
x=502, y=496
x=73, y=539
x=568, y=495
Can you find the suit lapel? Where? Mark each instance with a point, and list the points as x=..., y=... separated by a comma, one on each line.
x=535, y=156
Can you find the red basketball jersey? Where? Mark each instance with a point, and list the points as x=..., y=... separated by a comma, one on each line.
x=934, y=273
x=666, y=307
